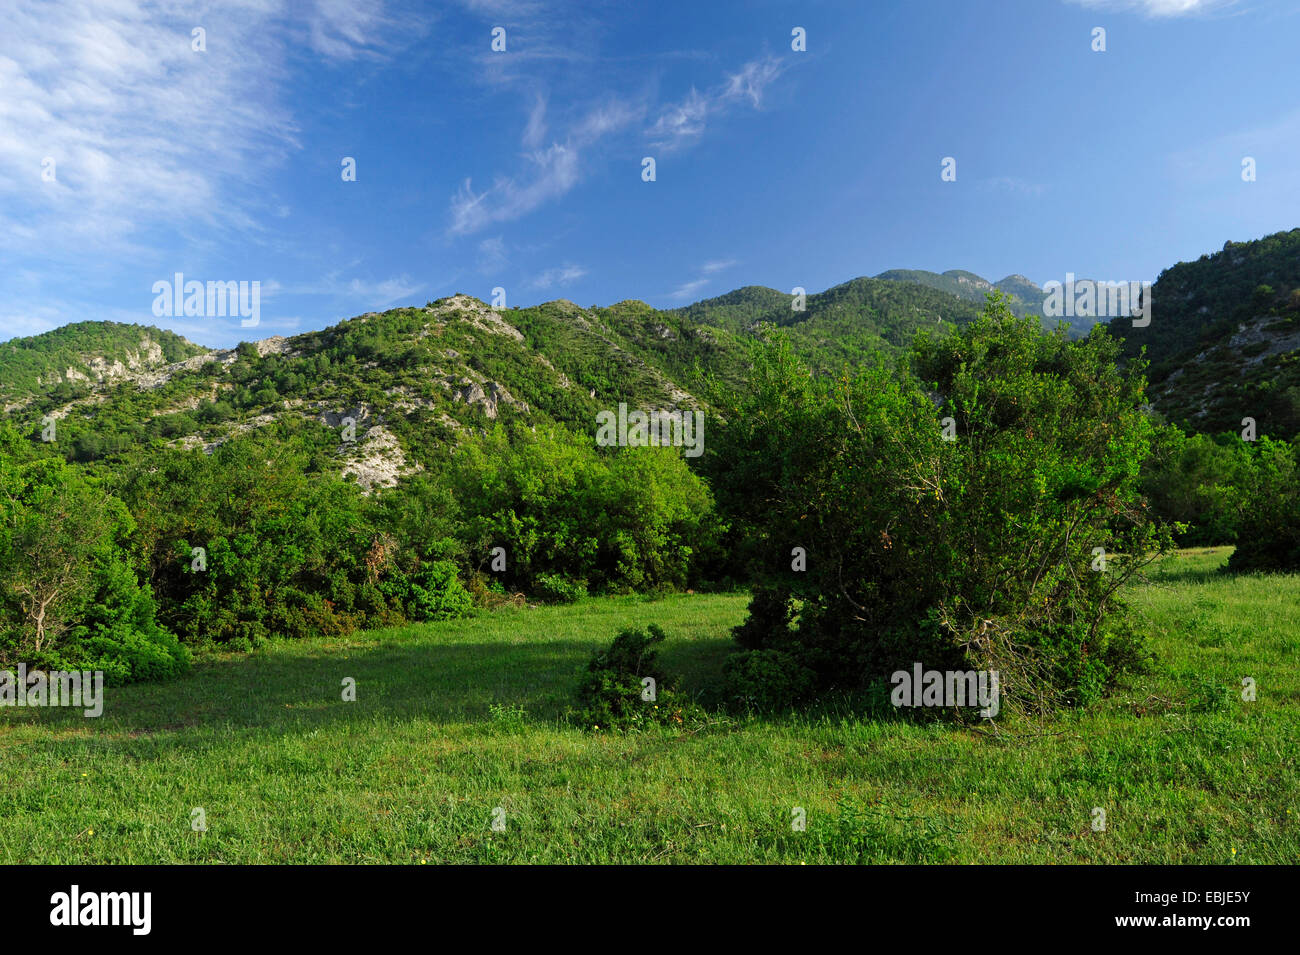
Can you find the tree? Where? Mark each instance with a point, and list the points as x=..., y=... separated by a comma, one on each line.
x=56, y=529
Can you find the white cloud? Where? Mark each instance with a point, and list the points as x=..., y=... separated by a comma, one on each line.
x=554, y=172
x=148, y=135
x=550, y=173
x=712, y=267
x=386, y=292
x=535, y=131
x=688, y=289
x=682, y=123
x=1158, y=8
x=565, y=275
x=753, y=78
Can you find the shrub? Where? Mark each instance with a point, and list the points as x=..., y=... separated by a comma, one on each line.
x=627, y=519
x=436, y=593
x=1194, y=482
x=765, y=681
x=70, y=596
x=972, y=553
x=552, y=588
x=1269, y=516
x=610, y=694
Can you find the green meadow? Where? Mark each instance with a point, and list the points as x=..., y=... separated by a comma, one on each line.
x=458, y=723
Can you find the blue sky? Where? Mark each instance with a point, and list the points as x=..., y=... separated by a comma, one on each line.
x=523, y=169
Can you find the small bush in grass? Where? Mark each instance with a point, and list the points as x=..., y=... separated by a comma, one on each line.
x=554, y=589
x=434, y=592
x=612, y=694
x=437, y=593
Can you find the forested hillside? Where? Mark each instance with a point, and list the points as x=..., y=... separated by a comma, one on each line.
x=842, y=325
x=85, y=353
x=1224, y=338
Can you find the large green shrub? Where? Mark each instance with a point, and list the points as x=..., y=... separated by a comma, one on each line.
x=70, y=593
x=1269, y=516
x=618, y=519
x=1196, y=481
x=251, y=543
x=435, y=592
x=971, y=553
x=766, y=681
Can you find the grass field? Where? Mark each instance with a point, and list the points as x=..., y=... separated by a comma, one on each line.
x=454, y=720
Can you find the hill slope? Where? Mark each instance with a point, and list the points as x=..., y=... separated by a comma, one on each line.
x=1224, y=338
x=85, y=353
x=844, y=324
x=416, y=382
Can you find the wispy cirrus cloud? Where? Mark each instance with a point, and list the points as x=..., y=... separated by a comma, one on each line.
x=128, y=137
x=551, y=172
x=548, y=173
x=1157, y=9
x=708, y=269
x=564, y=275
x=687, y=289
x=141, y=131
x=682, y=123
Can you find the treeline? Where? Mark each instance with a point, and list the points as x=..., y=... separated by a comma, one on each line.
x=178, y=549
x=1226, y=489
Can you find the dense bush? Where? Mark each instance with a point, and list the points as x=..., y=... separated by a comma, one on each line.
x=622, y=519
x=1269, y=515
x=611, y=694
x=1196, y=481
x=285, y=550
x=766, y=681
x=971, y=553
x=553, y=588
x=70, y=593
x=434, y=592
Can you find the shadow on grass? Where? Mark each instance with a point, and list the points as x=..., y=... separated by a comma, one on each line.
x=1201, y=567
x=290, y=693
